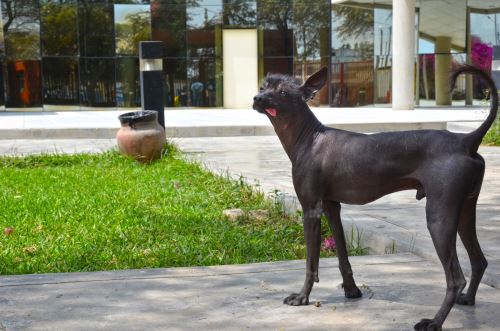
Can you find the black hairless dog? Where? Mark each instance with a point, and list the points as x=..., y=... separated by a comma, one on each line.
x=331, y=166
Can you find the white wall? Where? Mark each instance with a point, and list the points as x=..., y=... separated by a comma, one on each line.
x=240, y=67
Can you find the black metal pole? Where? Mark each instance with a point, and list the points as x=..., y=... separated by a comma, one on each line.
x=151, y=74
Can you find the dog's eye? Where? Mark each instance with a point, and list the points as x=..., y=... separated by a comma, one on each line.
x=282, y=93
x=261, y=89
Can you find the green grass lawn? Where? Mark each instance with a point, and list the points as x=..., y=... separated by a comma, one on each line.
x=492, y=137
x=63, y=213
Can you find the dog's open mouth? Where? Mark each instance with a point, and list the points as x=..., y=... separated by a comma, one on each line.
x=271, y=111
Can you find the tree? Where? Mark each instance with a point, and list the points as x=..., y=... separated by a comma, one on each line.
x=135, y=28
x=59, y=29
x=238, y=13
x=21, y=29
x=355, y=24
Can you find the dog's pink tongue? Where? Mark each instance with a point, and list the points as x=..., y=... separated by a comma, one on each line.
x=271, y=111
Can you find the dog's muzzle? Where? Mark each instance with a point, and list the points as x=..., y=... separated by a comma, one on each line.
x=258, y=102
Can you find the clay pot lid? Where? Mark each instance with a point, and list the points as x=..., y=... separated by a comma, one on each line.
x=138, y=116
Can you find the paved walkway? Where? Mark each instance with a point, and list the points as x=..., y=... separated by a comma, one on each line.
x=399, y=288
x=398, y=291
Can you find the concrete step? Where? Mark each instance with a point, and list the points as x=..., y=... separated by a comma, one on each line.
x=221, y=122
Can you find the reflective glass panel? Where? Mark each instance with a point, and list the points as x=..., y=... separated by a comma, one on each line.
x=382, y=50
x=132, y=24
x=128, y=85
x=427, y=78
x=60, y=81
x=132, y=1
x=176, y=86
x=2, y=88
x=484, y=44
x=24, y=84
x=21, y=28
x=96, y=29
x=442, y=18
x=274, y=22
x=203, y=83
x=204, y=22
x=282, y=65
x=483, y=38
x=311, y=26
x=59, y=26
x=275, y=19
x=97, y=82
x=168, y=22
x=352, y=54
x=240, y=14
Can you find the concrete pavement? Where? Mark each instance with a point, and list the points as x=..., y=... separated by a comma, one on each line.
x=399, y=288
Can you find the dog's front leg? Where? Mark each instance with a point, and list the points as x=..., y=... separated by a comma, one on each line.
x=312, y=227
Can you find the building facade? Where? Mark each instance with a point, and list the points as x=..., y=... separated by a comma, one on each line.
x=78, y=54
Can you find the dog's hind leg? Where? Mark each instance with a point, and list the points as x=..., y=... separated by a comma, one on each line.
x=442, y=222
x=332, y=211
x=467, y=232
x=312, y=234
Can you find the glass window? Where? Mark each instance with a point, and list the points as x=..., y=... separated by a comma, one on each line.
x=97, y=82
x=60, y=81
x=352, y=54
x=59, y=29
x=96, y=29
x=131, y=1
x=311, y=31
x=168, y=22
x=382, y=49
x=442, y=18
x=484, y=43
x=128, y=85
x=442, y=31
x=239, y=14
x=310, y=28
x=204, y=28
x=274, y=21
x=204, y=87
x=24, y=84
x=281, y=65
x=132, y=24
x=2, y=89
x=427, y=78
x=176, y=86
x=485, y=34
x=21, y=28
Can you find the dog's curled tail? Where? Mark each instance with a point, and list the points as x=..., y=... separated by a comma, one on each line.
x=473, y=139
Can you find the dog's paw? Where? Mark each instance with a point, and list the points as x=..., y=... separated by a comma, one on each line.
x=464, y=300
x=352, y=292
x=427, y=325
x=296, y=299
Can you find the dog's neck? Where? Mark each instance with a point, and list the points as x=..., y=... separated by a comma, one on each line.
x=297, y=131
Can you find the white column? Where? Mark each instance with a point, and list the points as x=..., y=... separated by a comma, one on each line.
x=403, y=54
x=442, y=70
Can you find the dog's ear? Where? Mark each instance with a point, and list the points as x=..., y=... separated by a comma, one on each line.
x=314, y=83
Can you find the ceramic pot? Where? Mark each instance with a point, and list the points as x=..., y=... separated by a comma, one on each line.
x=141, y=136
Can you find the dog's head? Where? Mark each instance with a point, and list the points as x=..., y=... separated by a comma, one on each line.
x=280, y=95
